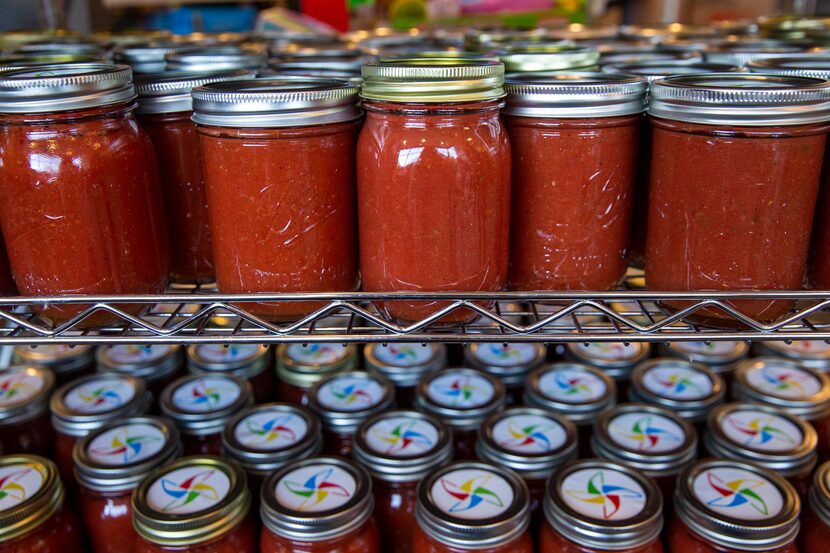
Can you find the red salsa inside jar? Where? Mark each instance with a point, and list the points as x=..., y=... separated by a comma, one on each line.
x=24, y=410
x=815, y=519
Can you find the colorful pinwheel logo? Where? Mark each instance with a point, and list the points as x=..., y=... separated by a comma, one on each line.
x=647, y=435
x=400, y=353
x=318, y=351
x=403, y=436
x=503, y=351
x=678, y=384
x=125, y=446
x=351, y=393
x=189, y=490
x=271, y=430
x=101, y=396
x=609, y=496
x=471, y=493
x=13, y=386
x=528, y=436
x=460, y=390
x=316, y=489
x=204, y=395
x=783, y=381
x=571, y=385
x=737, y=492
x=759, y=431
x=10, y=485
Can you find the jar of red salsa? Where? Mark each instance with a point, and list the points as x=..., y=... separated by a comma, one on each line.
x=733, y=189
x=814, y=354
x=300, y=366
x=404, y=365
x=158, y=365
x=197, y=504
x=343, y=401
x=463, y=399
x=721, y=357
x=433, y=181
x=597, y=506
x=24, y=410
x=253, y=362
x=766, y=435
x=99, y=228
x=283, y=153
x=815, y=519
x=66, y=362
x=472, y=507
x=34, y=516
x=201, y=406
x=318, y=505
x=510, y=363
x=89, y=403
x=723, y=506
x=399, y=449
x=109, y=464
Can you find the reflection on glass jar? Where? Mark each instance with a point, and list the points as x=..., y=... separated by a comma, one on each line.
x=815, y=518
x=24, y=410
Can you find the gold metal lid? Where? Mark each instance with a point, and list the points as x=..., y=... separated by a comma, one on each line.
x=33, y=493
x=549, y=57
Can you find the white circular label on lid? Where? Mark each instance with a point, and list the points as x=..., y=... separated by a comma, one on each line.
x=19, y=385
x=738, y=493
x=529, y=434
x=270, y=430
x=130, y=355
x=20, y=482
x=705, y=348
x=646, y=432
x=804, y=347
x=603, y=494
x=350, y=393
x=205, y=394
x=610, y=351
x=316, y=488
x=318, y=354
x=677, y=383
x=130, y=443
x=572, y=386
x=465, y=391
x=403, y=355
x=784, y=381
x=217, y=353
x=505, y=355
x=99, y=395
x=761, y=431
x=54, y=351
x=472, y=494
x=402, y=436
x=188, y=490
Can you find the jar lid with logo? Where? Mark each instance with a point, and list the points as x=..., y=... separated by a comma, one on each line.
x=605, y=505
x=242, y=360
x=24, y=393
x=90, y=402
x=529, y=440
x=819, y=495
x=721, y=357
x=767, y=435
x=215, y=58
x=689, y=389
x=118, y=455
x=343, y=400
x=782, y=383
x=656, y=69
x=814, y=354
x=61, y=359
x=170, y=91
x=152, y=363
x=510, y=363
x=817, y=66
x=402, y=445
x=293, y=506
x=579, y=392
x=532, y=58
x=203, y=404
x=304, y=365
x=471, y=505
x=462, y=398
x=40, y=494
x=264, y=438
x=147, y=57
x=190, y=501
x=404, y=364
x=737, y=505
x=616, y=359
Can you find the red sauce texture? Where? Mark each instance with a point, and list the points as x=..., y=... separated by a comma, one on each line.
x=33, y=436
x=363, y=540
x=61, y=533
x=108, y=520
x=421, y=543
x=395, y=512
x=551, y=541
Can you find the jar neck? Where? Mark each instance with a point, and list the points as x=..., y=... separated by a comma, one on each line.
x=121, y=110
x=438, y=109
x=732, y=131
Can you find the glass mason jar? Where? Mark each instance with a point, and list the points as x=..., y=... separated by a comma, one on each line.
x=766, y=435
x=216, y=58
x=89, y=403
x=265, y=438
x=744, y=51
x=300, y=366
x=617, y=360
x=399, y=449
x=463, y=399
x=541, y=59
x=164, y=112
x=35, y=516
x=815, y=518
x=201, y=405
x=724, y=506
x=433, y=181
x=147, y=57
x=651, y=439
x=109, y=464
x=283, y=153
x=814, y=354
x=66, y=362
x=298, y=518
x=470, y=506
x=73, y=126
x=510, y=363
x=24, y=410
x=598, y=506
x=253, y=362
x=733, y=190
x=404, y=365
x=342, y=401
x=574, y=145
x=197, y=504
x=157, y=365
x=721, y=357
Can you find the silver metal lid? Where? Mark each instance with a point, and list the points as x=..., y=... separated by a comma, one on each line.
x=402, y=445
x=90, y=402
x=462, y=398
x=64, y=45
x=170, y=91
x=649, y=438
x=118, y=455
x=222, y=58
x=617, y=360
x=741, y=99
x=242, y=360
x=817, y=66
x=656, y=69
x=343, y=400
x=59, y=358
x=293, y=507
x=656, y=33
x=689, y=389
x=152, y=363
x=819, y=495
x=814, y=354
x=347, y=66
x=203, y=404
x=741, y=52
x=639, y=55
x=24, y=393
x=57, y=88
x=266, y=437
x=529, y=440
x=737, y=505
x=472, y=506
x=767, y=435
x=549, y=57
x=578, y=391
x=303, y=365
x=605, y=505
x=782, y=383
x=718, y=356
x=405, y=364
x=147, y=57
x=276, y=103
x=510, y=363
x=324, y=51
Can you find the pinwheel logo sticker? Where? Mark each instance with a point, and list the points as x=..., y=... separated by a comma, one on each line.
x=126, y=446
x=678, y=384
x=646, y=434
x=400, y=353
x=503, y=351
x=528, y=436
x=189, y=490
x=759, y=431
x=352, y=393
x=402, y=436
x=471, y=493
x=316, y=489
x=737, y=492
x=14, y=386
x=10, y=486
x=783, y=381
x=272, y=430
x=203, y=395
x=609, y=497
x=571, y=386
x=101, y=396
x=461, y=391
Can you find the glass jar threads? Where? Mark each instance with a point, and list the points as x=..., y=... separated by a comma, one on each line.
x=24, y=410
x=253, y=362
